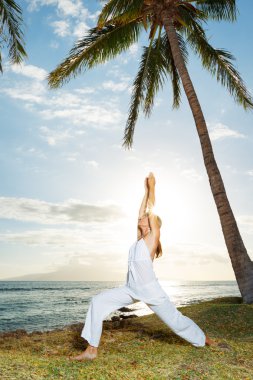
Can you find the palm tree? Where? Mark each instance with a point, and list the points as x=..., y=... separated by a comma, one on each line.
x=174, y=25
x=11, y=33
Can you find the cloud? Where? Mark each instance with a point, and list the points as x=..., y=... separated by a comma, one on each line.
x=133, y=49
x=195, y=253
x=92, y=163
x=32, y=92
x=182, y=166
x=34, y=152
x=61, y=28
x=246, y=222
x=80, y=268
x=72, y=16
x=64, y=8
x=250, y=173
x=220, y=131
x=58, y=241
x=80, y=29
x=191, y=174
x=97, y=115
x=71, y=211
x=53, y=136
x=111, y=85
x=30, y=71
x=76, y=107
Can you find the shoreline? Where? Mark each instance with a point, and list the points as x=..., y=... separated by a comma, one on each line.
x=115, y=321
x=139, y=348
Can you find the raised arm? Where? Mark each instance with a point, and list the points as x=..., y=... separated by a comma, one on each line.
x=154, y=225
x=151, y=192
x=143, y=222
x=144, y=202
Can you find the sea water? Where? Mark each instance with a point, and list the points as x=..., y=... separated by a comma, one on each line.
x=46, y=305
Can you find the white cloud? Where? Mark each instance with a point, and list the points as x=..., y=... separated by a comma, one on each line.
x=71, y=8
x=231, y=169
x=92, y=163
x=220, y=131
x=72, y=157
x=72, y=16
x=250, y=173
x=195, y=253
x=96, y=116
x=30, y=71
x=61, y=28
x=191, y=174
x=87, y=90
x=34, y=152
x=246, y=222
x=20, y=93
x=158, y=102
x=53, y=136
x=71, y=211
x=80, y=29
x=133, y=49
x=111, y=85
x=73, y=107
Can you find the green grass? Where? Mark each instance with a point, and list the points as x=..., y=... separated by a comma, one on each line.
x=139, y=348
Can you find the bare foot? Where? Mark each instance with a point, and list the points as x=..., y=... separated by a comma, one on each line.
x=89, y=354
x=210, y=342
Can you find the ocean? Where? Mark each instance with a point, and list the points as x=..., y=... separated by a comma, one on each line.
x=46, y=305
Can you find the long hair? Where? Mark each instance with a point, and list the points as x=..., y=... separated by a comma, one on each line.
x=144, y=228
x=159, y=250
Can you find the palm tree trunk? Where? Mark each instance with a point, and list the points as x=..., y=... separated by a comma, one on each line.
x=241, y=262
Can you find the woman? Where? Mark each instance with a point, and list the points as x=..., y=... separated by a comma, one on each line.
x=141, y=285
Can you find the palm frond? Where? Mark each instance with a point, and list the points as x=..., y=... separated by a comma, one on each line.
x=1, y=67
x=182, y=47
x=188, y=13
x=137, y=96
x=161, y=64
x=95, y=48
x=218, y=9
x=171, y=67
x=156, y=74
x=119, y=10
x=218, y=62
x=176, y=81
x=11, y=23
x=156, y=63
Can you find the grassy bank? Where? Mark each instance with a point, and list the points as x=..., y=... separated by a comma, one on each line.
x=139, y=348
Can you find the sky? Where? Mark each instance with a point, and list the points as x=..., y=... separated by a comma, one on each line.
x=70, y=193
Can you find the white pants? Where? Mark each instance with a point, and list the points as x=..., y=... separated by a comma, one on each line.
x=107, y=301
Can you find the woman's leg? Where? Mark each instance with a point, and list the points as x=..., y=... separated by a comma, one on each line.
x=179, y=323
x=100, y=307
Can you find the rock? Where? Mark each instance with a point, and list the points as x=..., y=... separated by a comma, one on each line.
x=15, y=334
x=224, y=345
x=115, y=318
x=123, y=316
x=125, y=309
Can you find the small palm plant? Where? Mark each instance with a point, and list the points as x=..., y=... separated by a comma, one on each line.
x=11, y=33
x=174, y=25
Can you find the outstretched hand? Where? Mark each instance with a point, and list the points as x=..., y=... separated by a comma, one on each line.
x=146, y=185
x=151, y=180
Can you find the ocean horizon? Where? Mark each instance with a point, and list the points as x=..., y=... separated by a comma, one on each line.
x=47, y=305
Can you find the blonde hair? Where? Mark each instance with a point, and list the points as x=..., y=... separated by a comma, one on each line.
x=159, y=220
x=159, y=250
